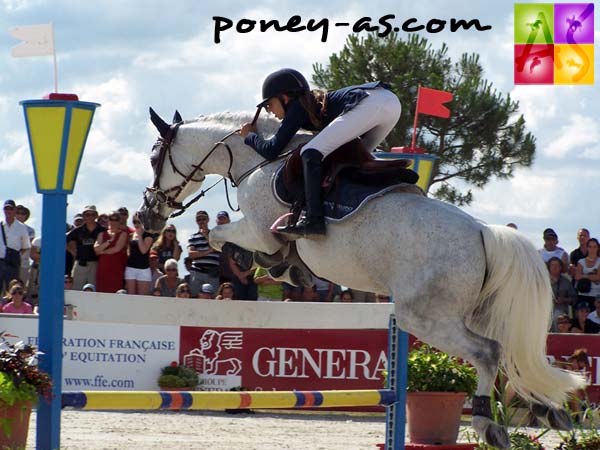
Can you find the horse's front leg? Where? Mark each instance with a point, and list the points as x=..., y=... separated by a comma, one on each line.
x=242, y=233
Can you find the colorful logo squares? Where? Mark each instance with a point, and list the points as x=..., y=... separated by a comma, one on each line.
x=554, y=43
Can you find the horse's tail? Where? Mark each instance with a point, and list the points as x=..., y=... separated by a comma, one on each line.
x=515, y=309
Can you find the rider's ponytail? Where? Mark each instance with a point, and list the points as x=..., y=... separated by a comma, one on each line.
x=315, y=104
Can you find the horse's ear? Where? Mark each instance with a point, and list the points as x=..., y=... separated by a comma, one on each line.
x=177, y=117
x=162, y=126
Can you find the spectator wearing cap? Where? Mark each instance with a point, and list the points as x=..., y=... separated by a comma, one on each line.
x=223, y=218
x=551, y=248
x=583, y=236
x=167, y=246
x=77, y=220
x=205, y=260
x=111, y=249
x=563, y=293
x=80, y=243
x=167, y=284
x=13, y=235
x=138, y=276
x=22, y=214
x=594, y=316
x=17, y=304
x=581, y=323
x=587, y=274
x=207, y=292
x=89, y=288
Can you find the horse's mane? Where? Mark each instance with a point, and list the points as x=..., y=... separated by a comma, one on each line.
x=228, y=121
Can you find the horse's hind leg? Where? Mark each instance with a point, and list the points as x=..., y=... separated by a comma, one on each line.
x=449, y=334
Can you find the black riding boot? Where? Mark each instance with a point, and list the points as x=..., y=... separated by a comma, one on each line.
x=313, y=223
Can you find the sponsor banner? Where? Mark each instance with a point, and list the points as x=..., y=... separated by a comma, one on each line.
x=561, y=346
x=278, y=359
x=104, y=356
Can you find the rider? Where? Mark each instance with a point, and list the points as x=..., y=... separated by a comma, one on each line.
x=368, y=111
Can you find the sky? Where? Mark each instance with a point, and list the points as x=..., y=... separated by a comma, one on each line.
x=135, y=54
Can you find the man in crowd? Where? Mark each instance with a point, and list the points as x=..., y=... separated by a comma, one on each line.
x=583, y=236
x=80, y=243
x=226, y=274
x=551, y=249
x=22, y=215
x=205, y=261
x=14, y=235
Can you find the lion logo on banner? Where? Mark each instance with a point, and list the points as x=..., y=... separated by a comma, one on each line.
x=205, y=359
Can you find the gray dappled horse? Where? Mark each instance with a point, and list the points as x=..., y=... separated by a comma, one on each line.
x=477, y=291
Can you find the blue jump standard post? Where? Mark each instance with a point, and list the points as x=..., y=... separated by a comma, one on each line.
x=397, y=382
x=50, y=333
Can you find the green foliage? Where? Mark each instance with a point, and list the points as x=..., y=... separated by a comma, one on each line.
x=176, y=376
x=430, y=370
x=485, y=136
x=20, y=378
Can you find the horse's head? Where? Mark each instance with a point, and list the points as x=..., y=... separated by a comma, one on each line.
x=169, y=186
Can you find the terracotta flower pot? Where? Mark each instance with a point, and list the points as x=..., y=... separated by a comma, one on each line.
x=434, y=417
x=18, y=417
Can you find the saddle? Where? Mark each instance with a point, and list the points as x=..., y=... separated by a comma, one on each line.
x=352, y=162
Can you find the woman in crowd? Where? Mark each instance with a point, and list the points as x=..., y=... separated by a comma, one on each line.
x=167, y=246
x=581, y=324
x=110, y=247
x=563, y=324
x=167, y=284
x=587, y=274
x=225, y=292
x=563, y=292
x=138, y=278
x=17, y=305
x=183, y=291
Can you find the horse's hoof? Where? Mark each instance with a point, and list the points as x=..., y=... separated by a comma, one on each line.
x=279, y=270
x=492, y=433
x=559, y=419
x=267, y=261
x=300, y=278
x=497, y=436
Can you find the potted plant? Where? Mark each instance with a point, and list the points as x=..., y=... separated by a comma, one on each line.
x=175, y=377
x=438, y=385
x=21, y=385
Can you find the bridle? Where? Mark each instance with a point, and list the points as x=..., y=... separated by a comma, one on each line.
x=155, y=196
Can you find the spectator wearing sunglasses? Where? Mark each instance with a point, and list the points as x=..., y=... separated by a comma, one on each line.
x=17, y=305
x=167, y=284
x=111, y=247
x=138, y=276
x=183, y=291
x=80, y=243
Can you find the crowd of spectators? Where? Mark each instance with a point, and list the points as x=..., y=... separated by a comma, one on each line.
x=111, y=254
x=105, y=253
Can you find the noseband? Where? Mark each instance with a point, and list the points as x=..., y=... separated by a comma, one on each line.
x=155, y=196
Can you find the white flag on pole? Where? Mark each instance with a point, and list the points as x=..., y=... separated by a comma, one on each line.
x=38, y=40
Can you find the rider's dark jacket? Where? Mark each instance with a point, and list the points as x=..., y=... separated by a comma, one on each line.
x=338, y=102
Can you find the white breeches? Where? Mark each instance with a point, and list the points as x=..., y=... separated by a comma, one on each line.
x=371, y=120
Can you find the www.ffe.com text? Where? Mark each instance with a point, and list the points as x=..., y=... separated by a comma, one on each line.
x=382, y=26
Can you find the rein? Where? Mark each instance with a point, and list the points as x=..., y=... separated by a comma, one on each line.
x=168, y=196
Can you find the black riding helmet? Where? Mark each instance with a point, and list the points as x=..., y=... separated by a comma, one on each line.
x=283, y=81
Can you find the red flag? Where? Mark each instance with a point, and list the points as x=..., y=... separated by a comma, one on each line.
x=431, y=102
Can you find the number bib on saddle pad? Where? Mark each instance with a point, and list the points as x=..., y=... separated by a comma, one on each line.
x=347, y=195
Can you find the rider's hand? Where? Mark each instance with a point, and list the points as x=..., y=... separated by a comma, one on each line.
x=247, y=128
